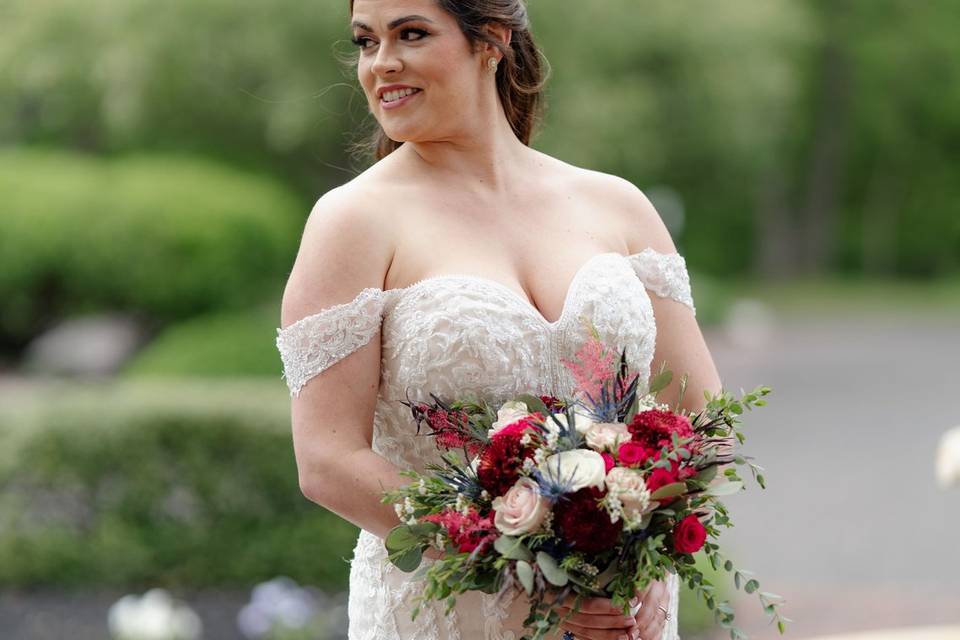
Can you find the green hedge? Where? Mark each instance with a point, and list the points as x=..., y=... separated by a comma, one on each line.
x=176, y=484
x=226, y=344
x=166, y=235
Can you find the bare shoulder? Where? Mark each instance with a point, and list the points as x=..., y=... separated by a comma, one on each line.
x=346, y=246
x=625, y=206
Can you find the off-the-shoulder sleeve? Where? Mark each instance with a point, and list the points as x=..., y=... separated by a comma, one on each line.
x=665, y=274
x=314, y=343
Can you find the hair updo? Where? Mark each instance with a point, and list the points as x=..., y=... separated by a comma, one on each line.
x=520, y=75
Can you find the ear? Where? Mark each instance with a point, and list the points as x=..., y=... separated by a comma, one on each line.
x=500, y=32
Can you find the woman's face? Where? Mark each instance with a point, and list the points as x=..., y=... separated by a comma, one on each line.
x=416, y=44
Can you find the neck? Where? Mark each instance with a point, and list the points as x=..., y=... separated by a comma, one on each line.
x=484, y=158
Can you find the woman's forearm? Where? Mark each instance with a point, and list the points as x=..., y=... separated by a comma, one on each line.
x=351, y=487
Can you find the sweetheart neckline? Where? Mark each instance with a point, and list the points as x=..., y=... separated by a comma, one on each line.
x=522, y=300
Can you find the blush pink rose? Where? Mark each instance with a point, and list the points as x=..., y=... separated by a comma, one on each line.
x=522, y=509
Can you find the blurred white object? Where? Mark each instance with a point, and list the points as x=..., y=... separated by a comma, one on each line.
x=89, y=345
x=277, y=603
x=948, y=458
x=154, y=616
x=749, y=324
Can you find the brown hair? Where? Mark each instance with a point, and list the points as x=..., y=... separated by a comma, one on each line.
x=521, y=74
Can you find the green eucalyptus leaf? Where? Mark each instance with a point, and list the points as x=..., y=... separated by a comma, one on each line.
x=708, y=474
x=660, y=382
x=525, y=575
x=512, y=548
x=400, y=538
x=671, y=490
x=724, y=489
x=533, y=403
x=407, y=560
x=554, y=574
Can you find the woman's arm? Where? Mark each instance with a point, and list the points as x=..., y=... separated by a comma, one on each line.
x=680, y=344
x=344, y=249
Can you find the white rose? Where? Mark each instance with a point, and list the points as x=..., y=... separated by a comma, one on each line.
x=948, y=458
x=607, y=435
x=522, y=509
x=508, y=413
x=582, y=421
x=578, y=468
x=630, y=487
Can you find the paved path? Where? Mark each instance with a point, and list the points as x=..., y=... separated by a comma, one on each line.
x=852, y=528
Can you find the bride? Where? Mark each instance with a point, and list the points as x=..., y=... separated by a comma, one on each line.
x=464, y=260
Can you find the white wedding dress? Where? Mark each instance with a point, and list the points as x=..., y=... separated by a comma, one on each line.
x=454, y=333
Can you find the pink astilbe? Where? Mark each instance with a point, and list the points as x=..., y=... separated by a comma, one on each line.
x=593, y=369
x=451, y=429
x=466, y=531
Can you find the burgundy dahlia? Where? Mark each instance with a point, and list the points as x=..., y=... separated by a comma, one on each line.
x=654, y=428
x=585, y=524
x=501, y=461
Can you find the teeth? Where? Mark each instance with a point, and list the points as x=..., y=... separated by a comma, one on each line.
x=390, y=96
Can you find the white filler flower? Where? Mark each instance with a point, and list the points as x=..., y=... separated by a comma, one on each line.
x=154, y=616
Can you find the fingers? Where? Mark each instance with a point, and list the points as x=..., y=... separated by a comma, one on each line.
x=651, y=618
x=586, y=633
x=594, y=606
x=600, y=621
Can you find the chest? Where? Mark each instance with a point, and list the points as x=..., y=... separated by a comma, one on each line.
x=533, y=259
x=463, y=331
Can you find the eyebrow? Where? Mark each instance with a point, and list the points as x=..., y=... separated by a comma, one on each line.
x=393, y=25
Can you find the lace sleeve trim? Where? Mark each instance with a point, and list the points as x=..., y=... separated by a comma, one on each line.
x=316, y=342
x=665, y=274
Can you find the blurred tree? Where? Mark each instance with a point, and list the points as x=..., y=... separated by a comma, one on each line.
x=800, y=136
x=249, y=82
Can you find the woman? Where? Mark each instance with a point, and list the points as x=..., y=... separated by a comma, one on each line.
x=463, y=260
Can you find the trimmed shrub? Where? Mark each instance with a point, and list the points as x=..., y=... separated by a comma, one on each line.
x=167, y=236
x=227, y=344
x=177, y=484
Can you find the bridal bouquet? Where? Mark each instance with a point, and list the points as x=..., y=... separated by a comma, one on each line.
x=594, y=496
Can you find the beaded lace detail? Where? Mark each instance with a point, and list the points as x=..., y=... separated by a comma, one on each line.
x=452, y=333
x=312, y=344
x=664, y=274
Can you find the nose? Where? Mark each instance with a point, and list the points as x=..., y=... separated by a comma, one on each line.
x=386, y=61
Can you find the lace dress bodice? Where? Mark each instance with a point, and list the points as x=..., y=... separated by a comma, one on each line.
x=454, y=333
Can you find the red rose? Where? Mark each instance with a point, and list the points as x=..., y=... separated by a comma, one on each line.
x=660, y=477
x=689, y=535
x=608, y=462
x=585, y=524
x=632, y=454
x=654, y=428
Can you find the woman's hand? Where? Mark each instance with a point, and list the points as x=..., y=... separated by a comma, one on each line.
x=651, y=619
x=598, y=619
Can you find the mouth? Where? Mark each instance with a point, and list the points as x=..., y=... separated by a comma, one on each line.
x=399, y=96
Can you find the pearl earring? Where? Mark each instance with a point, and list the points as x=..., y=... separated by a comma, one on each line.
x=492, y=64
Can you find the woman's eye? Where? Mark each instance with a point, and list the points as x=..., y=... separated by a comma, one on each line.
x=361, y=41
x=420, y=32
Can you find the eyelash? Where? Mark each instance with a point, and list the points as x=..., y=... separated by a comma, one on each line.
x=359, y=41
